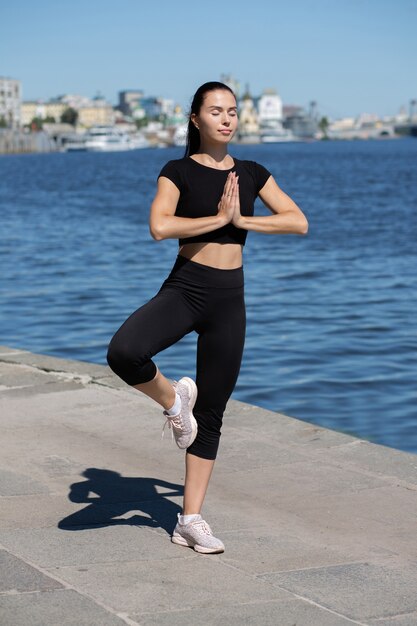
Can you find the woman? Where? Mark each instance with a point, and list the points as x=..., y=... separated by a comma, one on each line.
x=205, y=199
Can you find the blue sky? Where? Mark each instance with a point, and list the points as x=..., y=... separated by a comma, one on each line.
x=350, y=56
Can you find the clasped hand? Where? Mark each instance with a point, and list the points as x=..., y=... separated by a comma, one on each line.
x=229, y=205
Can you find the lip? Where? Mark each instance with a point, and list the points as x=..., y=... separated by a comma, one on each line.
x=225, y=132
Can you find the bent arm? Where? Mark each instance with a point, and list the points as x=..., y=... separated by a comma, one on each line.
x=287, y=217
x=163, y=223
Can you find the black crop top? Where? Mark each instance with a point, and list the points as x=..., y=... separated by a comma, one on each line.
x=201, y=188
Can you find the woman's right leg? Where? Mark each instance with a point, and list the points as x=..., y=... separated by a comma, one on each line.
x=159, y=389
x=155, y=326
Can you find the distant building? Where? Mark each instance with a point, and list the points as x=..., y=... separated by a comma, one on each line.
x=344, y=124
x=152, y=107
x=98, y=112
x=155, y=107
x=270, y=118
x=177, y=117
x=367, y=120
x=10, y=97
x=55, y=108
x=301, y=124
x=248, y=119
x=289, y=110
x=91, y=112
x=167, y=106
x=365, y=126
x=232, y=83
x=270, y=109
x=129, y=101
x=74, y=101
x=31, y=109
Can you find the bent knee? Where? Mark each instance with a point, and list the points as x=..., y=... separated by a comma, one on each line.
x=131, y=364
x=119, y=354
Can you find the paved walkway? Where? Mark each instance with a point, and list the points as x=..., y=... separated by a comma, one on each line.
x=319, y=527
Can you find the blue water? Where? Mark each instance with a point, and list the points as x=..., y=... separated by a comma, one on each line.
x=332, y=331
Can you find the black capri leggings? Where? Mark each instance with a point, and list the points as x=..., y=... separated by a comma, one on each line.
x=196, y=297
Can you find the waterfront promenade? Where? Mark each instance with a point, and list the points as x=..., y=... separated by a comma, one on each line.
x=319, y=527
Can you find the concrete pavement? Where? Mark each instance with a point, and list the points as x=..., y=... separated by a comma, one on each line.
x=319, y=527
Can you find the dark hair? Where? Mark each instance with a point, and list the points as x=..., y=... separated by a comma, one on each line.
x=193, y=134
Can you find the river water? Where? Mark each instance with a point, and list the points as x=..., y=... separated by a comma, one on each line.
x=331, y=317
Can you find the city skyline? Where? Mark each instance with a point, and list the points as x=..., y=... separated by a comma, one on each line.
x=357, y=59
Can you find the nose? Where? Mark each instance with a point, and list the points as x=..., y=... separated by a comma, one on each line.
x=226, y=119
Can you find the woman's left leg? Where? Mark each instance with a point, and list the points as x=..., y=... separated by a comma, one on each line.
x=219, y=355
x=197, y=476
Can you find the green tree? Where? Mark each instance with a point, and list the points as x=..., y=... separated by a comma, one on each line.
x=69, y=116
x=3, y=123
x=324, y=125
x=36, y=123
x=140, y=123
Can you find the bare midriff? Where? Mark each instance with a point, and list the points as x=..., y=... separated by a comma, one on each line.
x=223, y=256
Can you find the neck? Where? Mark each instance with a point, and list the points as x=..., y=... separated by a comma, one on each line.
x=213, y=152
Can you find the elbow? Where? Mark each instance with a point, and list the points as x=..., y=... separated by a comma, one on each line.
x=157, y=236
x=155, y=233
x=303, y=226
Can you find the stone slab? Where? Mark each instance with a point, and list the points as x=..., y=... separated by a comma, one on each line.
x=115, y=543
x=380, y=460
x=298, y=480
x=188, y=581
x=271, y=613
x=267, y=550
x=12, y=484
x=370, y=521
x=408, y=619
x=65, y=607
x=36, y=512
x=54, y=364
x=356, y=590
x=243, y=457
x=90, y=397
x=111, y=380
x=17, y=576
x=51, y=386
x=272, y=426
x=86, y=453
x=21, y=376
x=6, y=350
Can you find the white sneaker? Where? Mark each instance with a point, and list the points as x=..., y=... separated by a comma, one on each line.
x=198, y=535
x=183, y=425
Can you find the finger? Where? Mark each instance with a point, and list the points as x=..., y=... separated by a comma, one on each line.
x=231, y=184
x=229, y=189
x=236, y=186
x=234, y=195
x=228, y=179
x=226, y=188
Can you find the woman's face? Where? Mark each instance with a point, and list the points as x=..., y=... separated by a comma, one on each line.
x=217, y=120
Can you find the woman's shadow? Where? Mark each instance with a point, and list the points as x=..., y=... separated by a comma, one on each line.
x=109, y=496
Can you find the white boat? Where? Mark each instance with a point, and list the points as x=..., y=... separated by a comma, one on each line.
x=180, y=135
x=277, y=135
x=73, y=143
x=270, y=119
x=110, y=139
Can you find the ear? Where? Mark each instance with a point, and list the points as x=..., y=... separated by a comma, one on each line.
x=193, y=118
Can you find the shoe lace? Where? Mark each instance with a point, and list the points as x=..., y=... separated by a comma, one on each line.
x=173, y=422
x=168, y=421
x=203, y=526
